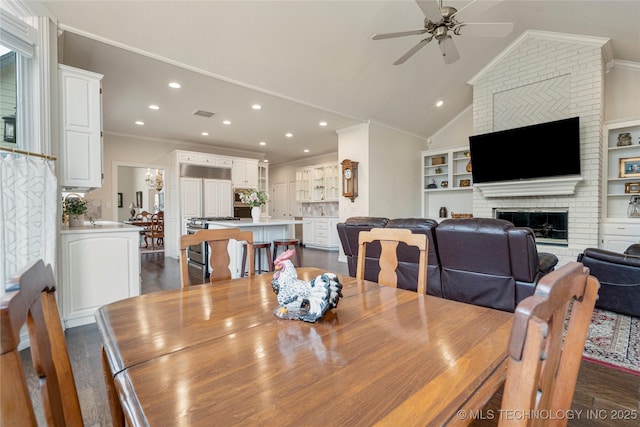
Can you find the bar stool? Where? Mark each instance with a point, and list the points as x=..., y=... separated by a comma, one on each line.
x=258, y=247
x=285, y=243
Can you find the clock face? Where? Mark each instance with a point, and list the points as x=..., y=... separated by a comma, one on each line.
x=347, y=173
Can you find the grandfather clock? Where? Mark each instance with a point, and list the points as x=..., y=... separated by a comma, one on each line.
x=349, y=179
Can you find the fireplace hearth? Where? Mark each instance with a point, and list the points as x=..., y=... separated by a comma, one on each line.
x=550, y=226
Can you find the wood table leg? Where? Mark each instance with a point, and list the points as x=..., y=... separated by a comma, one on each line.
x=117, y=415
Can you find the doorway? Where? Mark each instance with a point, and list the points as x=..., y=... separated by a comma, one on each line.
x=129, y=181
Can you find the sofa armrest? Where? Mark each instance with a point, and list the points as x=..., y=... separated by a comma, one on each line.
x=546, y=262
x=610, y=257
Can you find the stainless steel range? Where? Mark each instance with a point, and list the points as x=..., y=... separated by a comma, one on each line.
x=198, y=255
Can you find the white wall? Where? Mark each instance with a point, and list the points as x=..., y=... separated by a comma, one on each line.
x=622, y=91
x=394, y=173
x=455, y=133
x=353, y=144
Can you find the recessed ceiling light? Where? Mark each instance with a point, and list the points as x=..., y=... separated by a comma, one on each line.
x=266, y=160
x=288, y=135
x=306, y=150
x=256, y=106
x=139, y=122
x=175, y=85
x=153, y=107
x=439, y=103
x=204, y=133
x=226, y=122
x=263, y=143
x=322, y=123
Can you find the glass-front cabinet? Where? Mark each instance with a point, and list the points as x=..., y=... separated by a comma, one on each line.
x=318, y=183
x=263, y=183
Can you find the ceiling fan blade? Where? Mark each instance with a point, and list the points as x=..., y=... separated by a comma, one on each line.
x=476, y=7
x=449, y=50
x=398, y=34
x=486, y=29
x=431, y=9
x=412, y=51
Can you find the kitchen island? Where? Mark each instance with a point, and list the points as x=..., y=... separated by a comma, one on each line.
x=100, y=264
x=266, y=230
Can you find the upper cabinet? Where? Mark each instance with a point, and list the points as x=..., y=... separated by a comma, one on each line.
x=244, y=173
x=80, y=103
x=318, y=183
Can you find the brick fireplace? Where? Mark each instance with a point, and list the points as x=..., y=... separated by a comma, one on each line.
x=543, y=77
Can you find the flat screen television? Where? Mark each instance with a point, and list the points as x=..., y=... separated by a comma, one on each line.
x=543, y=150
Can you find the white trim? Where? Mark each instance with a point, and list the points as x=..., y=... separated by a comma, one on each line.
x=541, y=187
x=451, y=122
x=546, y=35
x=386, y=126
x=351, y=128
x=628, y=65
x=17, y=34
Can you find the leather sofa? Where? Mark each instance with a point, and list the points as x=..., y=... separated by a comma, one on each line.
x=480, y=261
x=619, y=276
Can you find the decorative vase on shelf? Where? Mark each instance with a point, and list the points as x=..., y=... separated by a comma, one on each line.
x=255, y=213
x=76, y=220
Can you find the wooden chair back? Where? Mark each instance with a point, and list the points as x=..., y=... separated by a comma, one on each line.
x=155, y=230
x=30, y=300
x=389, y=239
x=219, y=259
x=542, y=372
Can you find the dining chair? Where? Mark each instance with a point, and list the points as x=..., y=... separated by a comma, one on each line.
x=542, y=363
x=155, y=231
x=218, y=241
x=389, y=239
x=30, y=300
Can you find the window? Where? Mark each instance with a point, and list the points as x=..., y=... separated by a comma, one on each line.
x=8, y=96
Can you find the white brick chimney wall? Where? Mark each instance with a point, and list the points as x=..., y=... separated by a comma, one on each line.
x=543, y=77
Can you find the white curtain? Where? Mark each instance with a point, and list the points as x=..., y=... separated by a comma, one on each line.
x=28, y=213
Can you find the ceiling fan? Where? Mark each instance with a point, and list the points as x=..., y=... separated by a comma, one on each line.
x=446, y=21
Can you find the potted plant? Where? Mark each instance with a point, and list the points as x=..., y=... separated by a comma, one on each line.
x=255, y=199
x=75, y=208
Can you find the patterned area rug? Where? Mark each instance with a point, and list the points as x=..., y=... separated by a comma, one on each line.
x=614, y=340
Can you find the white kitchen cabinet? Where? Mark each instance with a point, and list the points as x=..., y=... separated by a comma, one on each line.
x=99, y=265
x=318, y=183
x=80, y=104
x=303, y=184
x=191, y=197
x=308, y=231
x=244, y=173
x=320, y=232
x=218, y=198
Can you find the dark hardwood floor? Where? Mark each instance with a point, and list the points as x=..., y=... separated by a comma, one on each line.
x=603, y=391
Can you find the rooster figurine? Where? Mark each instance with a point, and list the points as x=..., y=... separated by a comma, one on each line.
x=299, y=299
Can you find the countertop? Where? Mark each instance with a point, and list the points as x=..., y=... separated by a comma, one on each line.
x=248, y=222
x=100, y=227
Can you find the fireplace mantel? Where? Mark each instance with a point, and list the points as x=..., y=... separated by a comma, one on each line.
x=540, y=187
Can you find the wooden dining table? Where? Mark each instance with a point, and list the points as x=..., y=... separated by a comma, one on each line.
x=215, y=354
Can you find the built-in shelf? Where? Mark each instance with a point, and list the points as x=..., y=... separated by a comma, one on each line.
x=539, y=187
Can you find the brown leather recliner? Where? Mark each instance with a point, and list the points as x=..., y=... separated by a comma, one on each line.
x=619, y=277
x=489, y=262
x=407, y=270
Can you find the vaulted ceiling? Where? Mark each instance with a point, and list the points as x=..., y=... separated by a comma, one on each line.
x=303, y=61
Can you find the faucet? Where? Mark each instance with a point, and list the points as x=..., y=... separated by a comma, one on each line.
x=321, y=210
